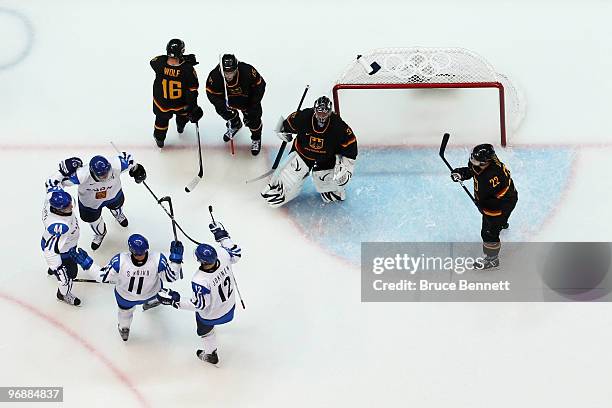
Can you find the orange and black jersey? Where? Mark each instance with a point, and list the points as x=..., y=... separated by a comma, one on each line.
x=175, y=86
x=320, y=145
x=493, y=187
x=246, y=89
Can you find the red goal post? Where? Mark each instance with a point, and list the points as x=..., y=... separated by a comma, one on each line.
x=422, y=68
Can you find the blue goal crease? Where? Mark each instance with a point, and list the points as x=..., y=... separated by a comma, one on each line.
x=404, y=194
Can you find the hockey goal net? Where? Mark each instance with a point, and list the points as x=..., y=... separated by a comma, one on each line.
x=434, y=68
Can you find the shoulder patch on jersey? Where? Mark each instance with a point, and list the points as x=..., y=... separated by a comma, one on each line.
x=197, y=288
x=57, y=229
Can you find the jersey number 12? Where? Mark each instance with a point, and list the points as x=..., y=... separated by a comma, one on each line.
x=226, y=282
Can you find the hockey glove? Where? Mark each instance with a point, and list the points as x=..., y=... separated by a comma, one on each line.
x=176, y=252
x=195, y=114
x=81, y=257
x=460, y=174
x=69, y=166
x=169, y=297
x=138, y=173
x=62, y=274
x=218, y=230
x=190, y=59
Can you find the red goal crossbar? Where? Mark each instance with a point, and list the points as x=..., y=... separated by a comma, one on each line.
x=498, y=85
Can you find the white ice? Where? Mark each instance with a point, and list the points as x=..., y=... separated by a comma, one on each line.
x=305, y=339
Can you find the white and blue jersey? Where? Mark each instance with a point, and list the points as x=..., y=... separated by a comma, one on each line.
x=214, y=293
x=95, y=194
x=139, y=283
x=61, y=234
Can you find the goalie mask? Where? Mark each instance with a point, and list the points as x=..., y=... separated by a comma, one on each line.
x=322, y=110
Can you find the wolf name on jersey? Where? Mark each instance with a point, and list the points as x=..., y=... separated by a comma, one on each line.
x=175, y=86
x=136, y=283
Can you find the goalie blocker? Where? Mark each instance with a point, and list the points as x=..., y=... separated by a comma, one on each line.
x=324, y=145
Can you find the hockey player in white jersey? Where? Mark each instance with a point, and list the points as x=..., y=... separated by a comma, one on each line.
x=59, y=244
x=99, y=187
x=213, y=287
x=138, y=276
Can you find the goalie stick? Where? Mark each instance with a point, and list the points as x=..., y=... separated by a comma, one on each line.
x=212, y=217
x=445, y=140
x=193, y=183
x=279, y=155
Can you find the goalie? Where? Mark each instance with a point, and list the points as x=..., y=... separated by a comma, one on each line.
x=324, y=145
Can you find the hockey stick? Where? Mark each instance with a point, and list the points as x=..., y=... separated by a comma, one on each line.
x=168, y=200
x=193, y=183
x=279, y=155
x=212, y=217
x=164, y=208
x=89, y=281
x=445, y=139
x=227, y=101
x=169, y=214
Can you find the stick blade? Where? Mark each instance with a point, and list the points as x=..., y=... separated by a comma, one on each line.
x=266, y=174
x=445, y=140
x=193, y=184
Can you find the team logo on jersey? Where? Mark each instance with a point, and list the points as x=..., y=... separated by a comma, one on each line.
x=316, y=143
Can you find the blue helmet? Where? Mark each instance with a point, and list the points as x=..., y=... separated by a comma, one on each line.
x=206, y=254
x=60, y=200
x=138, y=244
x=99, y=167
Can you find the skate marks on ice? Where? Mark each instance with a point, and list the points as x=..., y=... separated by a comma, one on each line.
x=406, y=194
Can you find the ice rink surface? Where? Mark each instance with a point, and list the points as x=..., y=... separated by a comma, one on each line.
x=75, y=76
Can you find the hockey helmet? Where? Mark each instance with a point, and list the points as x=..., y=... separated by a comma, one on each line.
x=60, y=200
x=229, y=66
x=99, y=167
x=206, y=254
x=138, y=244
x=481, y=154
x=175, y=48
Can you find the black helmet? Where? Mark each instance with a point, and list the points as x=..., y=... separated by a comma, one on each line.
x=482, y=153
x=229, y=62
x=175, y=48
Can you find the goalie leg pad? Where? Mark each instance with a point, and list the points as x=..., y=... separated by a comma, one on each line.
x=328, y=187
x=287, y=183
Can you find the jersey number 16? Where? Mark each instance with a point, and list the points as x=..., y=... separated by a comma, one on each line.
x=172, y=89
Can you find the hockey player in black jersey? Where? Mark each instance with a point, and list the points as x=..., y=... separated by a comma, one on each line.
x=325, y=145
x=238, y=88
x=175, y=90
x=495, y=196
